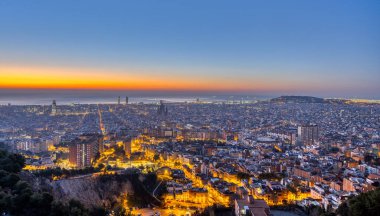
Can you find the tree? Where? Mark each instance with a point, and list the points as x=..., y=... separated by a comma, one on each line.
x=364, y=204
x=98, y=211
x=11, y=162
x=368, y=157
x=156, y=157
x=269, y=176
x=101, y=166
x=119, y=211
x=77, y=208
x=315, y=210
x=18, y=198
x=242, y=176
x=334, y=150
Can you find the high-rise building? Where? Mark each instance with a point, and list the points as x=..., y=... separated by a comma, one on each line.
x=308, y=134
x=126, y=100
x=162, y=109
x=83, y=150
x=54, y=108
x=118, y=100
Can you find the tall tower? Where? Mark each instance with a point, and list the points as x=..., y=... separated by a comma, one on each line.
x=126, y=100
x=54, y=108
x=118, y=100
x=162, y=109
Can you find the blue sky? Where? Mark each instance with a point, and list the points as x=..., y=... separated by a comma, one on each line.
x=327, y=48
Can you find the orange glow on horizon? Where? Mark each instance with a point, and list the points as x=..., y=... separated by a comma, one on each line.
x=83, y=78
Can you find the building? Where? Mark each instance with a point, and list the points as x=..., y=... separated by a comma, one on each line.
x=83, y=150
x=251, y=206
x=54, y=108
x=348, y=185
x=162, y=109
x=128, y=146
x=126, y=100
x=31, y=145
x=302, y=172
x=118, y=100
x=308, y=134
x=317, y=192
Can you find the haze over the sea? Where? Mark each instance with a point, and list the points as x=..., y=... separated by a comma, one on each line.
x=45, y=97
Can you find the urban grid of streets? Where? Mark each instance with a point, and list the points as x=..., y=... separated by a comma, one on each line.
x=211, y=153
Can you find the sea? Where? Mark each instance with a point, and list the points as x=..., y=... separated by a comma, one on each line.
x=67, y=97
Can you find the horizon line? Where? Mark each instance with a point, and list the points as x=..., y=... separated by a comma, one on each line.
x=218, y=92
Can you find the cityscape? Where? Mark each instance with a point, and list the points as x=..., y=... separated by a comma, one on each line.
x=249, y=155
x=189, y=108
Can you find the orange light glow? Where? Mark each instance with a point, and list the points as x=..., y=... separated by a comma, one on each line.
x=84, y=78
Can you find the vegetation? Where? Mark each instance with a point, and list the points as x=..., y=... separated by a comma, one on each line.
x=18, y=198
x=334, y=150
x=156, y=157
x=315, y=211
x=119, y=210
x=142, y=196
x=367, y=204
x=372, y=159
x=60, y=173
x=271, y=176
x=242, y=176
x=119, y=152
x=215, y=210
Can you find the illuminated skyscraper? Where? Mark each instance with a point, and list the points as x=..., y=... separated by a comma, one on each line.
x=126, y=100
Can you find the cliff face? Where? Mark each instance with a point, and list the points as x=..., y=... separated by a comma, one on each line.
x=100, y=191
x=91, y=191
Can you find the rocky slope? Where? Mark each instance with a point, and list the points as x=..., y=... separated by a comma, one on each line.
x=90, y=191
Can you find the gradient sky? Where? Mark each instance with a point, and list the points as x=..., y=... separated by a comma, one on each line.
x=322, y=48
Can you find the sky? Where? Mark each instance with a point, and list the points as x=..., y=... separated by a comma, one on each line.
x=320, y=48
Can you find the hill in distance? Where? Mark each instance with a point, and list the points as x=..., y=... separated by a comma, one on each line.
x=310, y=99
x=298, y=99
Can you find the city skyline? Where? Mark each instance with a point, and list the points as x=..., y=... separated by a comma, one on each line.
x=189, y=108
x=324, y=48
